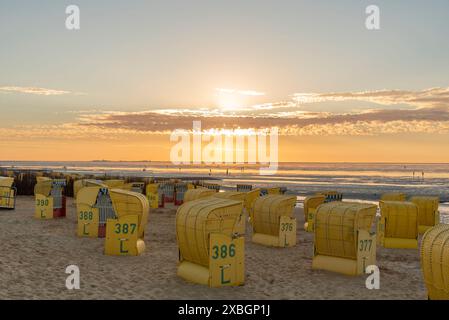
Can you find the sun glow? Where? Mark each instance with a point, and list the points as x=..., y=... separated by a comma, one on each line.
x=231, y=99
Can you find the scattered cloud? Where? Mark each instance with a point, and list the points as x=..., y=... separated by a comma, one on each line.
x=428, y=114
x=36, y=91
x=433, y=97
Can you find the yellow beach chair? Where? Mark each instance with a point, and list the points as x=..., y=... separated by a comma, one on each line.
x=311, y=204
x=273, y=221
x=210, y=252
x=428, y=214
x=343, y=242
x=7, y=193
x=50, y=198
x=435, y=261
x=398, y=225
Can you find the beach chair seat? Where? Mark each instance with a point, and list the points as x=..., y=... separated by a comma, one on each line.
x=343, y=242
x=7, y=193
x=435, y=262
x=273, y=221
x=210, y=251
x=50, y=198
x=311, y=204
x=393, y=196
x=428, y=214
x=398, y=225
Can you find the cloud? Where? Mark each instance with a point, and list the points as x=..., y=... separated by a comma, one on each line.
x=35, y=91
x=375, y=122
x=433, y=97
x=430, y=115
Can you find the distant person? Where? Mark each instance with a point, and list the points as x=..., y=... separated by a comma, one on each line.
x=210, y=172
x=227, y=172
x=413, y=175
x=422, y=173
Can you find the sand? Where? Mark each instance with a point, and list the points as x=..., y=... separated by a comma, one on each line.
x=35, y=254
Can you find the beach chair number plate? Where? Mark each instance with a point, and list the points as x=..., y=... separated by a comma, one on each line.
x=287, y=231
x=153, y=198
x=121, y=236
x=226, y=260
x=44, y=207
x=88, y=221
x=366, y=250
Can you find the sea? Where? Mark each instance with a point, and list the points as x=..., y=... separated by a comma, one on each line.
x=357, y=181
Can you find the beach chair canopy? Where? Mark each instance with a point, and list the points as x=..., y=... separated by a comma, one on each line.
x=401, y=219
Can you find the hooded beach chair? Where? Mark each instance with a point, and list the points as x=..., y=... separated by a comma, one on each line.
x=435, y=262
x=311, y=204
x=7, y=193
x=210, y=250
x=273, y=221
x=50, y=198
x=428, y=214
x=398, y=225
x=343, y=242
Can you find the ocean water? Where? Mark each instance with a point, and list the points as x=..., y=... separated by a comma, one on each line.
x=357, y=181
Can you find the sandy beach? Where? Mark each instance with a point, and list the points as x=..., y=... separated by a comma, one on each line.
x=35, y=254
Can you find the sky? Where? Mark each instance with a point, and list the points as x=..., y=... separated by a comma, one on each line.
x=138, y=70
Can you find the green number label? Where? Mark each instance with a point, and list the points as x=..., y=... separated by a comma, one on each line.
x=223, y=251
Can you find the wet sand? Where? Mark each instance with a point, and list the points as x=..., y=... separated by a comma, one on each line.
x=35, y=254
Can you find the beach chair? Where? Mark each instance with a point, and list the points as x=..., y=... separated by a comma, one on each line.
x=198, y=193
x=311, y=204
x=273, y=221
x=435, y=262
x=343, y=242
x=125, y=232
x=118, y=215
x=50, y=198
x=331, y=195
x=428, y=214
x=180, y=191
x=211, y=186
x=8, y=193
x=167, y=190
x=398, y=225
x=210, y=251
x=244, y=187
x=393, y=196
x=137, y=187
x=154, y=197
